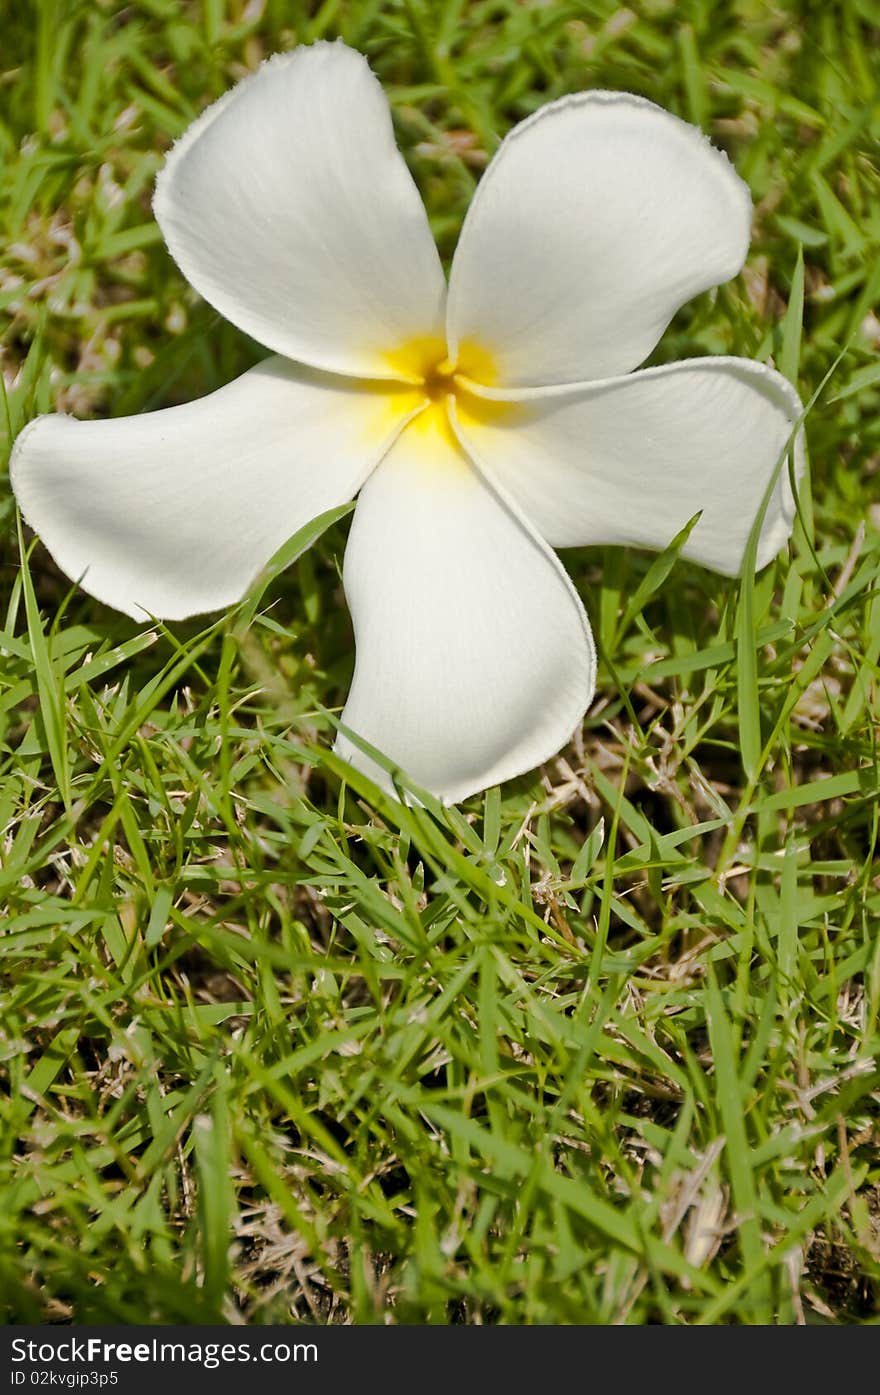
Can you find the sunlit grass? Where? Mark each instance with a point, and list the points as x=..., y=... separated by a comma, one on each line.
x=598, y=1047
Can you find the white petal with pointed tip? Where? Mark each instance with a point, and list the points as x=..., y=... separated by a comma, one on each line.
x=290, y=209
x=174, y=512
x=475, y=660
x=599, y=216
x=632, y=459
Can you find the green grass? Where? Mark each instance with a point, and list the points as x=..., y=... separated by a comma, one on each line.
x=600, y=1046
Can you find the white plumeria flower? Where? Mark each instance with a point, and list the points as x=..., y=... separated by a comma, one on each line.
x=483, y=425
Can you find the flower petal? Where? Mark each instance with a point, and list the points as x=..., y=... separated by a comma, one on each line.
x=174, y=512
x=630, y=460
x=475, y=660
x=288, y=206
x=599, y=216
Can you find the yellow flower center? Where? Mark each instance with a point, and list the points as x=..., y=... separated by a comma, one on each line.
x=439, y=380
x=430, y=381
x=425, y=360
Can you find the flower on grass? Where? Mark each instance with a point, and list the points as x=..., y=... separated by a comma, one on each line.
x=483, y=423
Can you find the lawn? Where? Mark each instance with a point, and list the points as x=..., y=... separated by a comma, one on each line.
x=599, y=1046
